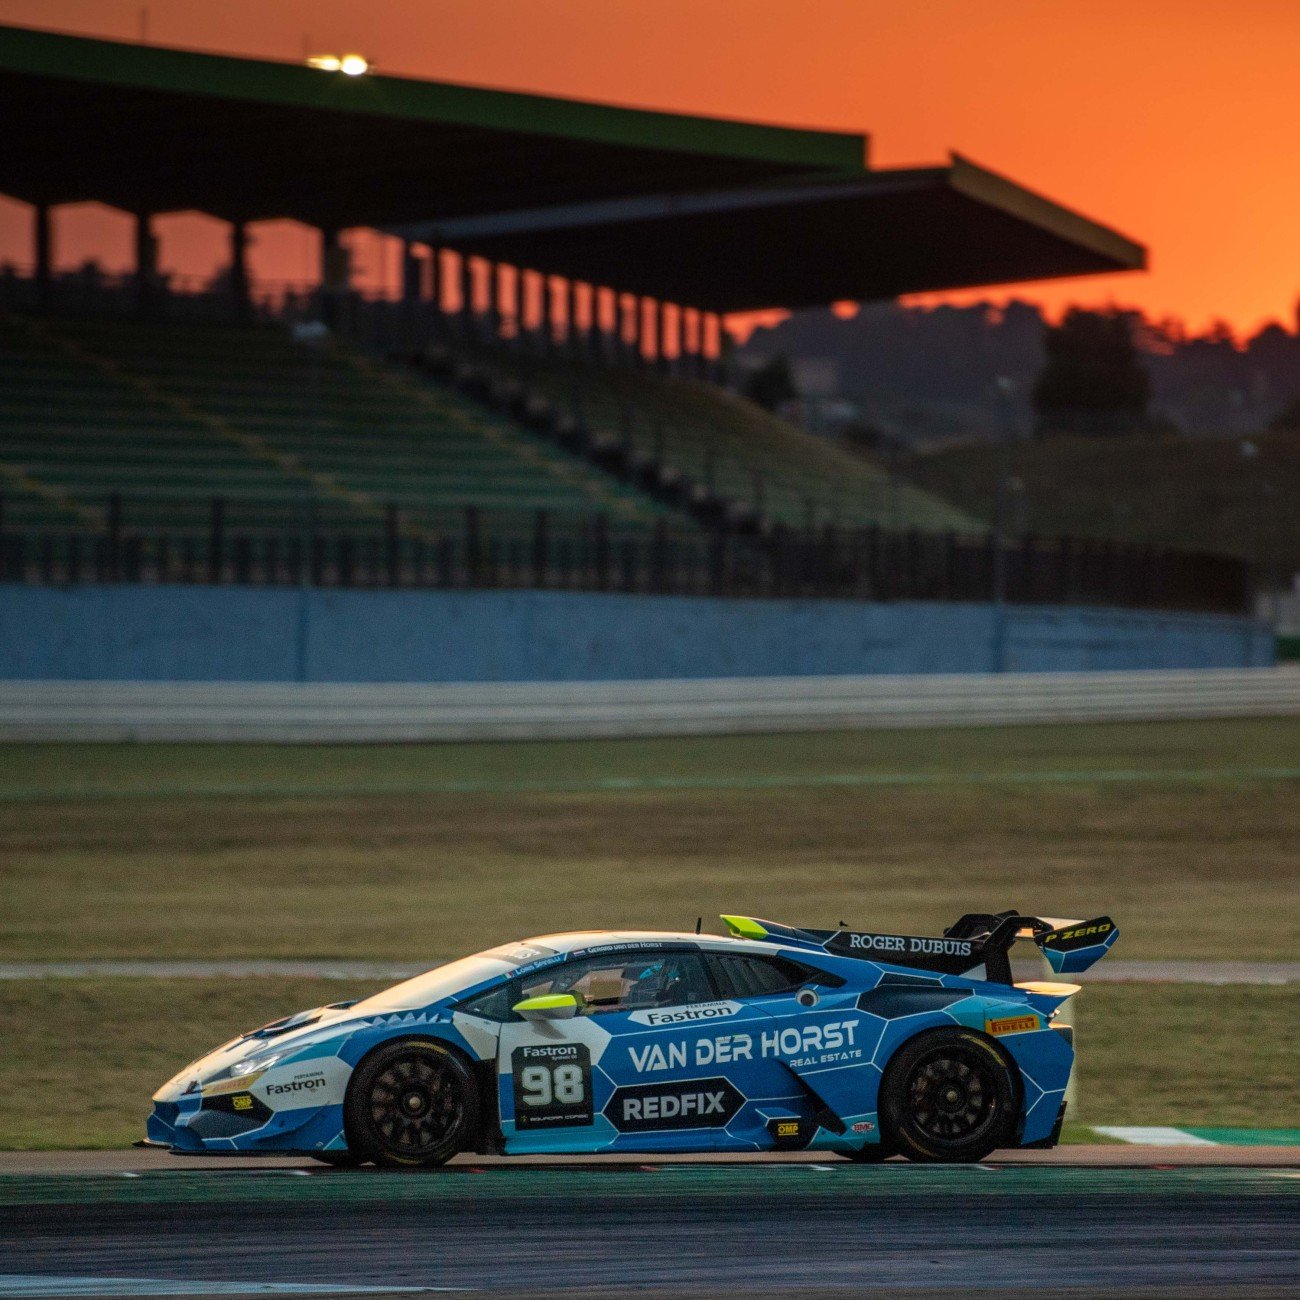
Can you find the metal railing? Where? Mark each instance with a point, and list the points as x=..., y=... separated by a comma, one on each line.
x=476, y=548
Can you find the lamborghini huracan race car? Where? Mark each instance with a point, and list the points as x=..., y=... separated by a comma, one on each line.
x=773, y=1038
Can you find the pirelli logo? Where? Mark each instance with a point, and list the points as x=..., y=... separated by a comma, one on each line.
x=1011, y=1025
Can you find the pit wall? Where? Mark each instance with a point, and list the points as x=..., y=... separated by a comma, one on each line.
x=195, y=633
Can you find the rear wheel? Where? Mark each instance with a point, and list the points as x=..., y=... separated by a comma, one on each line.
x=410, y=1105
x=948, y=1095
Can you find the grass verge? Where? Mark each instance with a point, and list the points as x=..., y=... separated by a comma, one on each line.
x=1176, y=829
x=82, y=1056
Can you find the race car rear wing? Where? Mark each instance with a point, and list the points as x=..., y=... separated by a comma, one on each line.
x=976, y=940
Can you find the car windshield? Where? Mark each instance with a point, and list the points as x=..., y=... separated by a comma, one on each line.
x=454, y=977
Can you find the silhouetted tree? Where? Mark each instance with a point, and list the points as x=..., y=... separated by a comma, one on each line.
x=1288, y=418
x=771, y=384
x=1094, y=380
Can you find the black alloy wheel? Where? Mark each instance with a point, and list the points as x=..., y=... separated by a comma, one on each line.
x=411, y=1104
x=949, y=1095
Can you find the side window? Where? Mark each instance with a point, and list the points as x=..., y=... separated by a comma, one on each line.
x=618, y=981
x=756, y=977
x=495, y=1004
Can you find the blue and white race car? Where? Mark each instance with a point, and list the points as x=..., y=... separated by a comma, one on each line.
x=774, y=1038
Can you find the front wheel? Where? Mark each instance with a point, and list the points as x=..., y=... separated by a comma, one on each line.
x=948, y=1095
x=410, y=1105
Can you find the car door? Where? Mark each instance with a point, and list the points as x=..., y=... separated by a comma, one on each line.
x=804, y=1062
x=628, y=1072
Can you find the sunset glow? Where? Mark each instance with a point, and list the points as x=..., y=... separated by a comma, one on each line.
x=1171, y=120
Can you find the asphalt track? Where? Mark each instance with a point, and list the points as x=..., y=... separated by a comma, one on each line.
x=1081, y=1221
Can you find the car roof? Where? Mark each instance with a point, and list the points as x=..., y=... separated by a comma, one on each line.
x=572, y=941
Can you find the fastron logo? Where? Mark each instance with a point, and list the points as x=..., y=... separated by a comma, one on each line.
x=296, y=1085
x=685, y=1015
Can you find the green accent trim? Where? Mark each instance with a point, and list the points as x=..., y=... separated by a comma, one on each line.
x=744, y=927
x=116, y=63
x=1248, y=1137
x=546, y=1002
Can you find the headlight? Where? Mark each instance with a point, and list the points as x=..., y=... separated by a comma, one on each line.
x=247, y=1066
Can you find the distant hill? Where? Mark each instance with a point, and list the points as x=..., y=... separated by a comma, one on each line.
x=931, y=373
x=1194, y=494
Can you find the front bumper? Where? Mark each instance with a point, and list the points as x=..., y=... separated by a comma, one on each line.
x=219, y=1125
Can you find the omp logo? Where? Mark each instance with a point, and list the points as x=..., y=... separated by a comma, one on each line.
x=244, y=1102
x=1011, y=1025
x=787, y=1128
x=296, y=1085
x=685, y=1015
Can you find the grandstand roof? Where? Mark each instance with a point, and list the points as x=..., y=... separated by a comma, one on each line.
x=150, y=129
x=805, y=243
x=719, y=214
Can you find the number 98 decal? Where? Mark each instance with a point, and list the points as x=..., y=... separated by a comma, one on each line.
x=552, y=1085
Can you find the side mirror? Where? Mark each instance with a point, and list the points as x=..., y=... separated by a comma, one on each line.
x=550, y=1006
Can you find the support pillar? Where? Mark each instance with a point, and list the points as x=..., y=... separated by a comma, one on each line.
x=571, y=335
x=333, y=275
x=410, y=275
x=715, y=361
x=146, y=264
x=433, y=286
x=466, y=294
x=241, y=300
x=595, y=334
x=501, y=303
x=43, y=239
x=550, y=320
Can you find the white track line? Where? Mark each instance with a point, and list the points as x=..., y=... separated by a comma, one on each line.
x=1154, y=1136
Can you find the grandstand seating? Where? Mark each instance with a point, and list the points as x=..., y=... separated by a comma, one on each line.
x=171, y=416
x=728, y=444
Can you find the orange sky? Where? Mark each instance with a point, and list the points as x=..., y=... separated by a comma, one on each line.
x=1174, y=120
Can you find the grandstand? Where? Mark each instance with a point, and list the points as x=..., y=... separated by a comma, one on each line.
x=717, y=448
x=167, y=418
x=448, y=435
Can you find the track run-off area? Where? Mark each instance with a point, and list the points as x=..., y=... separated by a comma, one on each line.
x=1076, y=1221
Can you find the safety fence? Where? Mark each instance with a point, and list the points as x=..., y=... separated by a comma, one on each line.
x=474, y=548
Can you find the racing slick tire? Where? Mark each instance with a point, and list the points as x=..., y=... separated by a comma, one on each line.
x=411, y=1104
x=949, y=1095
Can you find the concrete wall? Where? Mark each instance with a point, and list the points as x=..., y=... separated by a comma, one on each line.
x=193, y=633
